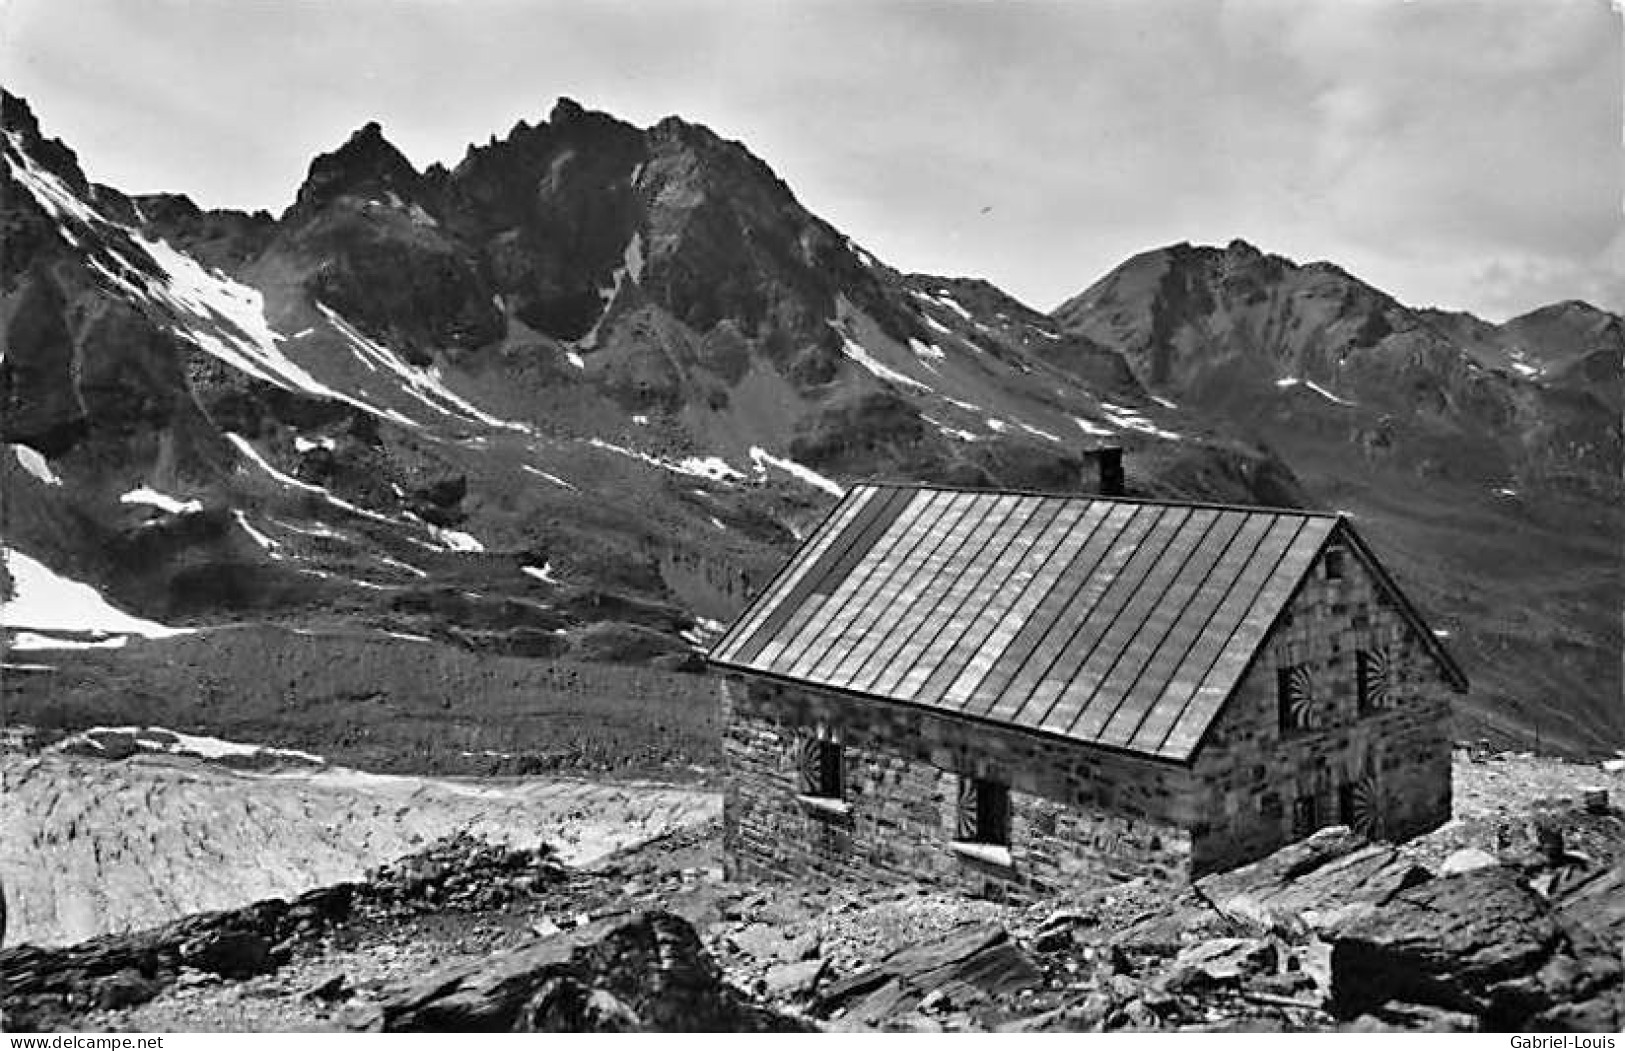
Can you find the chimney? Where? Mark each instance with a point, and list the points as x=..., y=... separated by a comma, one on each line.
x=1109, y=461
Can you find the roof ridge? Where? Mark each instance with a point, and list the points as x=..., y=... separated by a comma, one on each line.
x=937, y=487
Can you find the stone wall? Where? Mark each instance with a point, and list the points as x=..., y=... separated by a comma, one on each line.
x=1392, y=764
x=1078, y=816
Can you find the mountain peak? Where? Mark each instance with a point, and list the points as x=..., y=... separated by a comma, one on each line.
x=17, y=118
x=565, y=111
x=367, y=162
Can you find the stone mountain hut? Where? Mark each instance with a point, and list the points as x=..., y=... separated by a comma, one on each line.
x=1021, y=692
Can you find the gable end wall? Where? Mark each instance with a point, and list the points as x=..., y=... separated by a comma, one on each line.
x=1251, y=773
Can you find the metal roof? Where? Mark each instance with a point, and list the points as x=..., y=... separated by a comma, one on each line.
x=1116, y=622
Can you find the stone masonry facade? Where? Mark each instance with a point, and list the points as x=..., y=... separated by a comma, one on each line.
x=1081, y=815
x=1390, y=764
x=1077, y=815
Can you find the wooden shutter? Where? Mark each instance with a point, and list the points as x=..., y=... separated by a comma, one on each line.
x=1299, y=708
x=1371, y=669
x=1368, y=807
x=968, y=820
x=810, y=766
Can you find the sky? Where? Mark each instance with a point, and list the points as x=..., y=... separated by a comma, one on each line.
x=1467, y=155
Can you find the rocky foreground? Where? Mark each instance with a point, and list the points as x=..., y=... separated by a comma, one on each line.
x=1496, y=922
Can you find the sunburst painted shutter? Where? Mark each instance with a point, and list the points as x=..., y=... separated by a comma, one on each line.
x=1299, y=706
x=969, y=810
x=1372, y=672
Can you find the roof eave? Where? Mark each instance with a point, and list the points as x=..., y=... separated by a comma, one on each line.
x=1001, y=724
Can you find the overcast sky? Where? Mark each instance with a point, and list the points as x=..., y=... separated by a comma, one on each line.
x=1466, y=155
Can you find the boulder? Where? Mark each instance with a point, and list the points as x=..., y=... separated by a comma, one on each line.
x=563, y=1004
x=229, y=953
x=794, y=981
x=1466, y=860
x=969, y=964
x=125, y=988
x=1313, y=884
x=1223, y=962
x=649, y=974
x=1480, y=943
x=773, y=944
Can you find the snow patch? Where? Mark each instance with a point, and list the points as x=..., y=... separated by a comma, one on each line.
x=47, y=600
x=165, y=503
x=305, y=445
x=229, y=321
x=997, y=426
x=35, y=463
x=952, y=432
x=641, y=421
x=398, y=564
x=703, y=632
x=258, y=537
x=712, y=468
x=863, y=257
x=1133, y=420
x=1166, y=403
x=859, y=354
x=1519, y=360
x=763, y=459
x=423, y=384
x=538, y=472
x=1293, y=381
x=1094, y=430
x=544, y=574
x=450, y=539
x=926, y=351
x=939, y=326
x=158, y=739
x=947, y=300
x=1504, y=491
x=52, y=194
x=245, y=447
x=29, y=641
x=632, y=258
x=575, y=359
x=1037, y=432
x=968, y=406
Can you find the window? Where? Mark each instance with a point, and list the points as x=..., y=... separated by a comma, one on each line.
x=1336, y=558
x=819, y=768
x=1295, y=698
x=1371, y=679
x=1305, y=816
x=984, y=812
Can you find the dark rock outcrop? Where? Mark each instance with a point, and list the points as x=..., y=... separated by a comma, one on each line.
x=646, y=974
x=970, y=965
x=1312, y=884
x=1481, y=943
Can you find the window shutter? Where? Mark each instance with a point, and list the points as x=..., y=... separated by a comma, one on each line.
x=969, y=810
x=1372, y=670
x=810, y=766
x=1299, y=707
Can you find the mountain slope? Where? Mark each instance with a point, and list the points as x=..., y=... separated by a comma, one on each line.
x=569, y=398
x=1485, y=459
x=576, y=396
